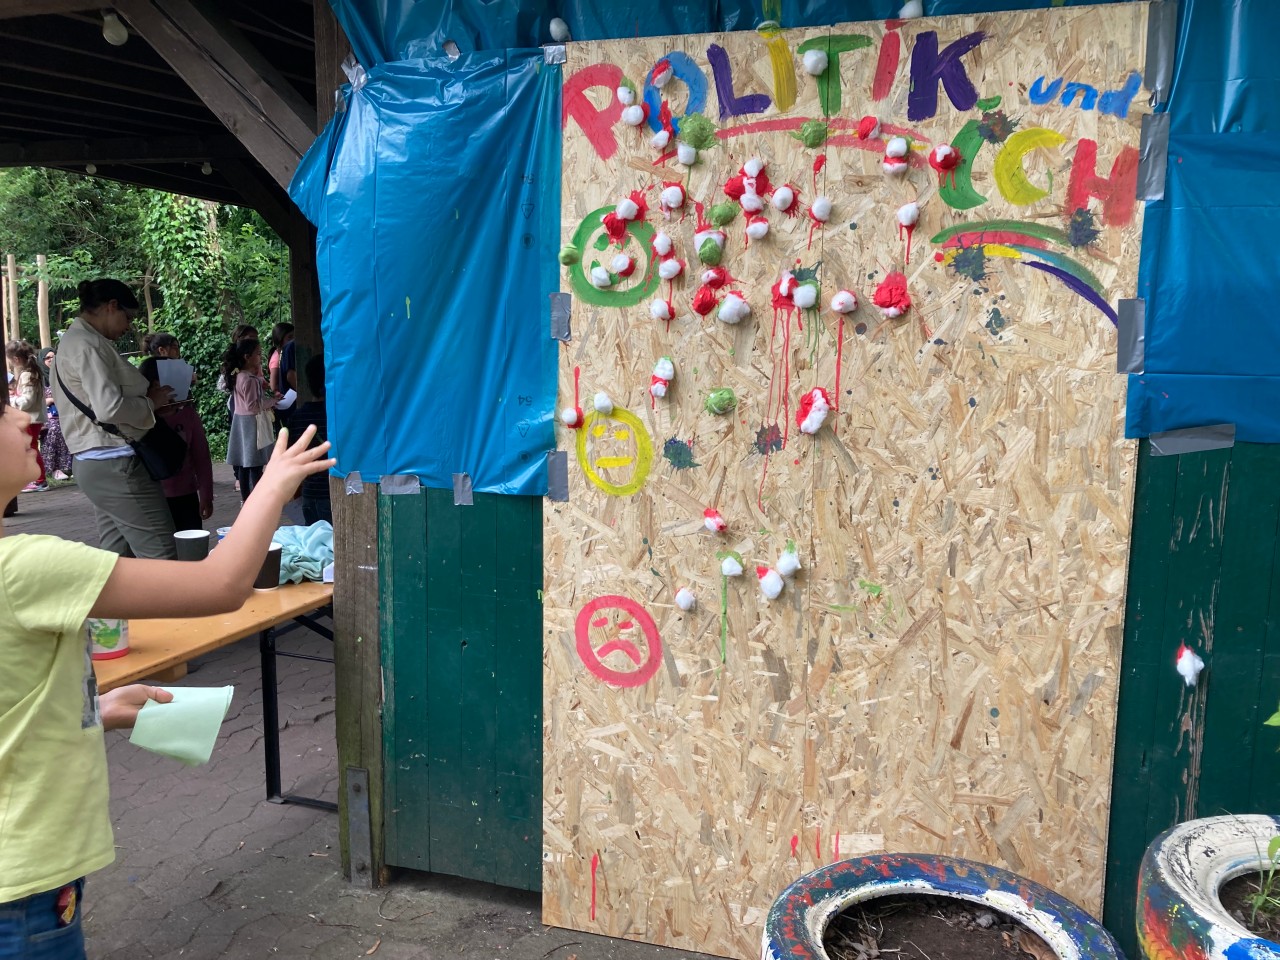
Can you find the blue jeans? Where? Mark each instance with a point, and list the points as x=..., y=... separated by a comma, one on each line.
x=31, y=929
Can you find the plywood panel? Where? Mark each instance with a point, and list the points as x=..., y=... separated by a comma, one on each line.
x=941, y=674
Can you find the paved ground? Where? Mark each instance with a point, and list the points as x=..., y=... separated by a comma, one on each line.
x=206, y=869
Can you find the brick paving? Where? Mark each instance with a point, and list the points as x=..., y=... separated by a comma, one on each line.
x=205, y=868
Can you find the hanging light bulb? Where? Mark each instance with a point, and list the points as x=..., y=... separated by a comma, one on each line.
x=206, y=168
x=113, y=31
x=91, y=168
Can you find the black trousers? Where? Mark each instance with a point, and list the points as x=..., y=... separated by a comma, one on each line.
x=185, y=511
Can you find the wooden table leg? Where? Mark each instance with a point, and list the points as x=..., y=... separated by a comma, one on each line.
x=176, y=672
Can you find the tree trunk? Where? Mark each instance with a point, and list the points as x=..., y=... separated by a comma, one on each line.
x=15, y=322
x=146, y=298
x=42, y=302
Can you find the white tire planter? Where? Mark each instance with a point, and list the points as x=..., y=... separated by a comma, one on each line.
x=1179, y=913
x=801, y=915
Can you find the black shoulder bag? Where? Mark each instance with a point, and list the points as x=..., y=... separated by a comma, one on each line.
x=161, y=450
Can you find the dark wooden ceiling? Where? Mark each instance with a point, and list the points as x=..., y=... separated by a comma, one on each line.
x=70, y=100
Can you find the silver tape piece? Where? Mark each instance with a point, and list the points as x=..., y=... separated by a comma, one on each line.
x=1153, y=156
x=462, y=492
x=354, y=484
x=554, y=53
x=1131, y=335
x=400, y=484
x=1162, y=46
x=1218, y=436
x=558, y=476
x=561, y=305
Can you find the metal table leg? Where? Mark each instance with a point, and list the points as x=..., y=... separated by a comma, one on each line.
x=271, y=718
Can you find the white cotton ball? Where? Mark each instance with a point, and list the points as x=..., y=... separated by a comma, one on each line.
x=569, y=416
x=942, y=151
x=891, y=312
x=602, y=403
x=626, y=96
x=672, y=197
x=844, y=302
x=660, y=309
x=686, y=154
x=600, y=277
x=670, y=269
x=783, y=198
x=1189, y=665
x=788, y=563
x=627, y=209
x=911, y=9
x=660, y=140
x=730, y=567
x=896, y=147
x=704, y=235
x=894, y=168
x=771, y=583
x=715, y=277
x=733, y=309
x=757, y=228
x=806, y=296
x=817, y=414
x=753, y=167
x=559, y=30
x=664, y=368
x=633, y=115
x=822, y=209
x=662, y=75
x=661, y=244
x=658, y=389
x=714, y=523
x=787, y=283
x=751, y=202
x=815, y=62
x=621, y=263
x=908, y=214
x=685, y=599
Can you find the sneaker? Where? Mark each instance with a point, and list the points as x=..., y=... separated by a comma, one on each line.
x=35, y=488
x=59, y=475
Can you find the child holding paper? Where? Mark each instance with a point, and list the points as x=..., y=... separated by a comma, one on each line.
x=53, y=804
x=189, y=492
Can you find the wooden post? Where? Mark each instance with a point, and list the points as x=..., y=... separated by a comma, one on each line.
x=4, y=308
x=15, y=322
x=146, y=299
x=42, y=302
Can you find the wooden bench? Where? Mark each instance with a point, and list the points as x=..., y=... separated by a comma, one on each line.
x=160, y=649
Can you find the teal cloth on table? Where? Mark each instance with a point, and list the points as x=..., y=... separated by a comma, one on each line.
x=305, y=551
x=187, y=727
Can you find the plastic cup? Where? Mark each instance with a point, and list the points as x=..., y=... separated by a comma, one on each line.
x=108, y=639
x=269, y=575
x=222, y=533
x=192, y=544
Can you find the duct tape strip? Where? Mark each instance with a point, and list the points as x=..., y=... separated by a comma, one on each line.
x=1162, y=43
x=558, y=476
x=400, y=484
x=1153, y=156
x=554, y=53
x=561, y=303
x=1217, y=436
x=354, y=483
x=1131, y=335
x=462, y=492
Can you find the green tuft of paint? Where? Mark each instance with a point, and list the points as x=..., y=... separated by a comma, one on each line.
x=697, y=131
x=813, y=133
x=989, y=103
x=710, y=252
x=872, y=588
x=569, y=255
x=720, y=401
x=722, y=214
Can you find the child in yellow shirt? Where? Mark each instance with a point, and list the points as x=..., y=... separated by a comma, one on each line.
x=54, y=824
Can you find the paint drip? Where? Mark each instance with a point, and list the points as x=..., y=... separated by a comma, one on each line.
x=945, y=159
x=908, y=217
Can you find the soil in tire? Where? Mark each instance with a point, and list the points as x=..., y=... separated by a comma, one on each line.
x=929, y=928
x=1235, y=898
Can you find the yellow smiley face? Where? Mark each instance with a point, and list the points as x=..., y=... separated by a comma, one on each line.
x=615, y=452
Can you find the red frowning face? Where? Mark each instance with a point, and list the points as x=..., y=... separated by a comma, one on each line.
x=618, y=641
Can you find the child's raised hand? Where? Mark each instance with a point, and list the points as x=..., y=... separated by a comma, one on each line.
x=291, y=463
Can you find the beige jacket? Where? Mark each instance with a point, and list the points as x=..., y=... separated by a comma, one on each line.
x=91, y=368
x=27, y=392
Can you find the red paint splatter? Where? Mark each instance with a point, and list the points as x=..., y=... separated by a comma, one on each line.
x=595, y=865
x=909, y=229
x=795, y=846
x=946, y=167
x=819, y=162
x=817, y=844
x=704, y=301
x=835, y=848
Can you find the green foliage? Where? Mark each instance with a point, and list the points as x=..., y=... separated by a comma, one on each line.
x=205, y=266
x=1266, y=898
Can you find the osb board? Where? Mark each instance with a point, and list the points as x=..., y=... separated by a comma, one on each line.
x=941, y=676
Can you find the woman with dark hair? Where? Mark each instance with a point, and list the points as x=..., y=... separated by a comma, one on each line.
x=189, y=492
x=251, y=439
x=27, y=394
x=53, y=447
x=281, y=334
x=133, y=517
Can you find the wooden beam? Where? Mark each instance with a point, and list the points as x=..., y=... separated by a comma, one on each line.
x=37, y=8
x=120, y=150
x=76, y=90
x=207, y=188
x=332, y=47
x=248, y=95
x=265, y=196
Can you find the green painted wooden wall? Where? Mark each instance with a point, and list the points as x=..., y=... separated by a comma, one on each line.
x=462, y=668
x=1203, y=570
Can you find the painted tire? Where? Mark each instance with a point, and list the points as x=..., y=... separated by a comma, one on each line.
x=1179, y=913
x=800, y=916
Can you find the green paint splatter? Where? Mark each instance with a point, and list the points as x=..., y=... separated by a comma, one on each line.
x=697, y=131
x=720, y=401
x=996, y=322
x=872, y=588
x=970, y=262
x=843, y=608
x=997, y=126
x=989, y=103
x=813, y=133
x=679, y=453
x=806, y=273
x=569, y=255
x=407, y=314
x=710, y=252
x=722, y=214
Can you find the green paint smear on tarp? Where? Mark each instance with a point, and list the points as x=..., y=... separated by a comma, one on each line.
x=697, y=131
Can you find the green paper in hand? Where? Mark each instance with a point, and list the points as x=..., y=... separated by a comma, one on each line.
x=186, y=728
